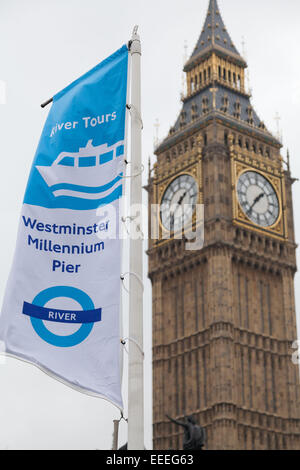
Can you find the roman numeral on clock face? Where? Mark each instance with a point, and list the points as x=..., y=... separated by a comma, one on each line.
x=178, y=202
x=258, y=198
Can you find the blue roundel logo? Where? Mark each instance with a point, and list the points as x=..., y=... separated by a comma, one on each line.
x=86, y=317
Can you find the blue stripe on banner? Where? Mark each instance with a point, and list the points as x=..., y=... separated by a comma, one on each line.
x=86, y=189
x=62, y=316
x=84, y=204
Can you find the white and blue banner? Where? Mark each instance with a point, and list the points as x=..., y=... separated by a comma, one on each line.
x=61, y=310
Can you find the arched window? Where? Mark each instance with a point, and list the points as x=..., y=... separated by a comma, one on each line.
x=205, y=103
x=182, y=119
x=209, y=73
x=220, y=73
x=194, y=112
x=229, y=76
x=204, y=75
x=205, y=138
x=224, y=74
x=200, y=78
x=237, y=109
x=226, y=138
x=250, y=115
x=240, y=142
x=225, y=103
x=262, y=125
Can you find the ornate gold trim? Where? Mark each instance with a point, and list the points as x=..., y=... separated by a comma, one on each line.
x=279, y=228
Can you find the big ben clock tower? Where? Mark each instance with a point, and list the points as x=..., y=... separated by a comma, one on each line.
x=224, y=316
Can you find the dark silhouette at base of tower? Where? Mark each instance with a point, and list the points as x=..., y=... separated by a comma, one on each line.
x=194, y=435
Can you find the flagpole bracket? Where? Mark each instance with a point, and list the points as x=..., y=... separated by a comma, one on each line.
x=134, y=113
x=123, y=417
x=135, y=174
x=134, y=275
x=124, y=342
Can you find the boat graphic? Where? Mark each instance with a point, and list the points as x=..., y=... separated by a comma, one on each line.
x=90, y=173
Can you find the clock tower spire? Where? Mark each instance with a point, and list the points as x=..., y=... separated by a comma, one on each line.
x=224, y=317
x=214, y=35
x=215, y=58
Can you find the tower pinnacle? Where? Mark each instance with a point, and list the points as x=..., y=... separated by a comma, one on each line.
x=214, y=37
x=215, y=85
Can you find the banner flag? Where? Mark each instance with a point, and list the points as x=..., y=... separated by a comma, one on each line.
x=62, y=303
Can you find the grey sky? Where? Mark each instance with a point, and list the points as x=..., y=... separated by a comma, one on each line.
x=46, y=44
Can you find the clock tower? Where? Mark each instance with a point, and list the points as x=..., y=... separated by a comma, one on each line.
x=223, y=316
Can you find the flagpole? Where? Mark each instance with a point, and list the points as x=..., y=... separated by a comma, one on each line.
x=136, y=367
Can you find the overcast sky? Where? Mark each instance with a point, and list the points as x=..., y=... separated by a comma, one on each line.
x=46, y=44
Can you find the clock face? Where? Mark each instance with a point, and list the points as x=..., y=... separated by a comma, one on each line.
x=258, y=199
x=178, y=202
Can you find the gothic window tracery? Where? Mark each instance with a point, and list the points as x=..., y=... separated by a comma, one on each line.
x=225, y=103
x=194, y=111
x=237, y=109
x=192, y=85
x=182, y=118
x=205, y=103
x=226, y=137
x=262, y=125
x=250, y=115
x=239, y=82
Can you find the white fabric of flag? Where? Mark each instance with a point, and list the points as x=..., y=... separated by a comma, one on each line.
x=62, y=304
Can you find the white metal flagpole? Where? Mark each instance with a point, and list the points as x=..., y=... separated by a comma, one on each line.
x=136, y=367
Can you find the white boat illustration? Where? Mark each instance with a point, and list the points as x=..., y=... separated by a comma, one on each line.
x=90, y=173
